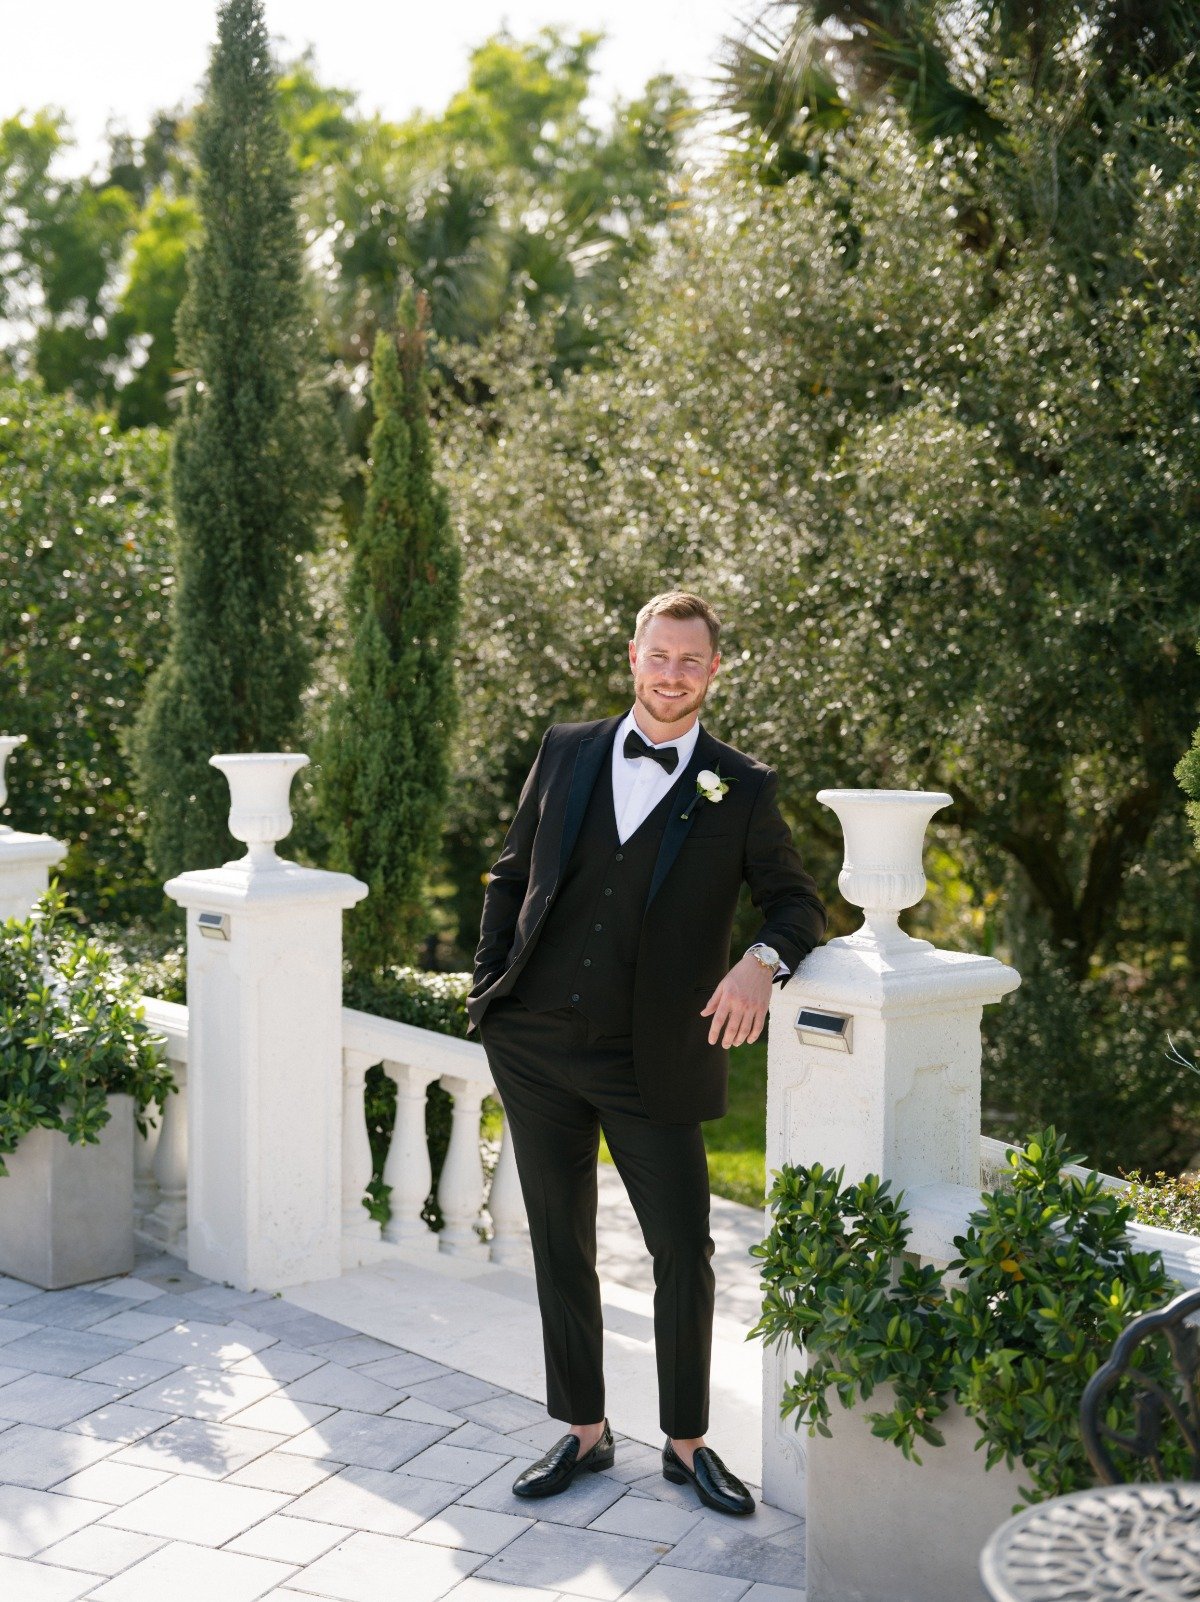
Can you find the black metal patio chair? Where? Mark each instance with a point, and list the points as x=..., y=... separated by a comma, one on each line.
x=1165, y=1395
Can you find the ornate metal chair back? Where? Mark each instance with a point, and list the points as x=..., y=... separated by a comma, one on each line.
x=1157, y=1359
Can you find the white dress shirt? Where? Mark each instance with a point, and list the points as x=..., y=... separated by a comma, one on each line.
x=639, y=783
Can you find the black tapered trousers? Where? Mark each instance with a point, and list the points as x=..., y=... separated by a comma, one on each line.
x=562, y=1084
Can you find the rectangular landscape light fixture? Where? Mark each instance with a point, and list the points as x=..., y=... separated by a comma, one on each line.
x=214, y=925
x=824, y=1028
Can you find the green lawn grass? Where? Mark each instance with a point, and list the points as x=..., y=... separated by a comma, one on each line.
x=737, y=1143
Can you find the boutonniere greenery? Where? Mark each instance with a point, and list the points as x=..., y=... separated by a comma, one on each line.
x=710, y=786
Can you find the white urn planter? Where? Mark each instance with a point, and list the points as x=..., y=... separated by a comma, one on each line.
x=66, y=1212
x=25, y=859
x=8, y=744
x=260, y=814
x=882, y=871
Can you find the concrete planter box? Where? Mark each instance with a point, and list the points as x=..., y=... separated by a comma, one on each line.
x=66, y=1212
x=882, y=1529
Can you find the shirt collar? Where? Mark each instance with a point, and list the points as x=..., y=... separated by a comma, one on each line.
x=685, y=744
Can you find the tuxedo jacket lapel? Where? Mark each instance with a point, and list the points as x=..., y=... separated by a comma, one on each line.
x=677, y=826
x=590, y=757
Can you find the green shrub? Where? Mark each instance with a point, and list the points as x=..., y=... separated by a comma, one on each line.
x=84, y=573
x=410, y=995
x=1048, y=1280
x=1090, y=1055
x=153, y=960
x=71, y=1032
x=1165, y=1202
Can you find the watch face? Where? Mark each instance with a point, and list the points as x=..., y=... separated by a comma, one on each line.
x=768, y=956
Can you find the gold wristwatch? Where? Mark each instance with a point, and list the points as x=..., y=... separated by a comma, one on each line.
x=767, y=955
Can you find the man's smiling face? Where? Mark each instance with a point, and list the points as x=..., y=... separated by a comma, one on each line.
x=673, y=665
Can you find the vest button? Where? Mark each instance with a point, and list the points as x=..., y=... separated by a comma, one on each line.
x=620, y=856
x=608, y=892
x=597, y=927
x=575, y=997
x=587, y=962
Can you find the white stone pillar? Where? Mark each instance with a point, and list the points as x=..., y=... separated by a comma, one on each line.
x=460, y=1188
x=25, y=859
x=265, y=1049
x=406, y=1172
x=874, y=1058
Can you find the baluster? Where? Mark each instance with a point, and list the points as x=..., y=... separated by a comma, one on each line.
x=360, y=1232
x=510, y=1227
x=145, y=1186
x=407, y=1171
x=460, y=1189
x=167, y=1223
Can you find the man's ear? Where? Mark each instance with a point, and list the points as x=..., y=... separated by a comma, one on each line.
x=633, y=653
x=716, y=662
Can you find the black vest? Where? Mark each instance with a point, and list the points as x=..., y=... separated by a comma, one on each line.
x=587, y=951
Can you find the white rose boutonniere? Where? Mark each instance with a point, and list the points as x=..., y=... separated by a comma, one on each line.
x=710, y=786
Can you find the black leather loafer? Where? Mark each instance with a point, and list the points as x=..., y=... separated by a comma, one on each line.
x=554, y=1472
x=715, y=1485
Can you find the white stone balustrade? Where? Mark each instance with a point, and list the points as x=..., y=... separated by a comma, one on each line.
x=25, y=859
x=414, y=1059
x=460, y=1066
x=161, y=1156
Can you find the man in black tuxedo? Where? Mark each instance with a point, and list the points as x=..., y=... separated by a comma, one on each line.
x=603, y=1000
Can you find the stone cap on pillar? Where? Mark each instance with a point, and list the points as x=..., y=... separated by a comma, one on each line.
x=236, y=888
x=260, y=816
x=38, y=850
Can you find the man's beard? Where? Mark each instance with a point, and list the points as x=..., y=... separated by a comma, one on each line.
x=675, y=711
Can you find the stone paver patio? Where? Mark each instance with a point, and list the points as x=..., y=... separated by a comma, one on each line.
x=165, y=1439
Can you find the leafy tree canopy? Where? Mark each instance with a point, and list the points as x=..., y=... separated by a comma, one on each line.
x=512, y=194
x=84, y=576
x=947, y=501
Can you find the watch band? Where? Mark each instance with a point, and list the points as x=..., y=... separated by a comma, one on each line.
x=756, y=951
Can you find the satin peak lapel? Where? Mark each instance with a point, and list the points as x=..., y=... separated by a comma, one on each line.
x=676, y=831
x=593, y=749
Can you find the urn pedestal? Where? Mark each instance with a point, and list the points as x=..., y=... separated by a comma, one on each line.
x=874, y=1067
x=265, y=1104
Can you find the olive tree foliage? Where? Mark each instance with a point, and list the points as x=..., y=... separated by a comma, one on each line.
x=947, y=499
x=1188, y=774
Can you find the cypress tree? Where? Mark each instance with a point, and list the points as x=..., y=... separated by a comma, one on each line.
x=386, y=766
x=254, y=463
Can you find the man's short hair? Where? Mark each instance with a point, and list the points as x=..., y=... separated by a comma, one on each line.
x=682, y=604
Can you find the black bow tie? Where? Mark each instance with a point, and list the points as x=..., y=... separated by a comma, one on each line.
x=666, y=756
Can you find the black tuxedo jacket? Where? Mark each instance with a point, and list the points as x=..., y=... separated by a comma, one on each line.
x=687, y=923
